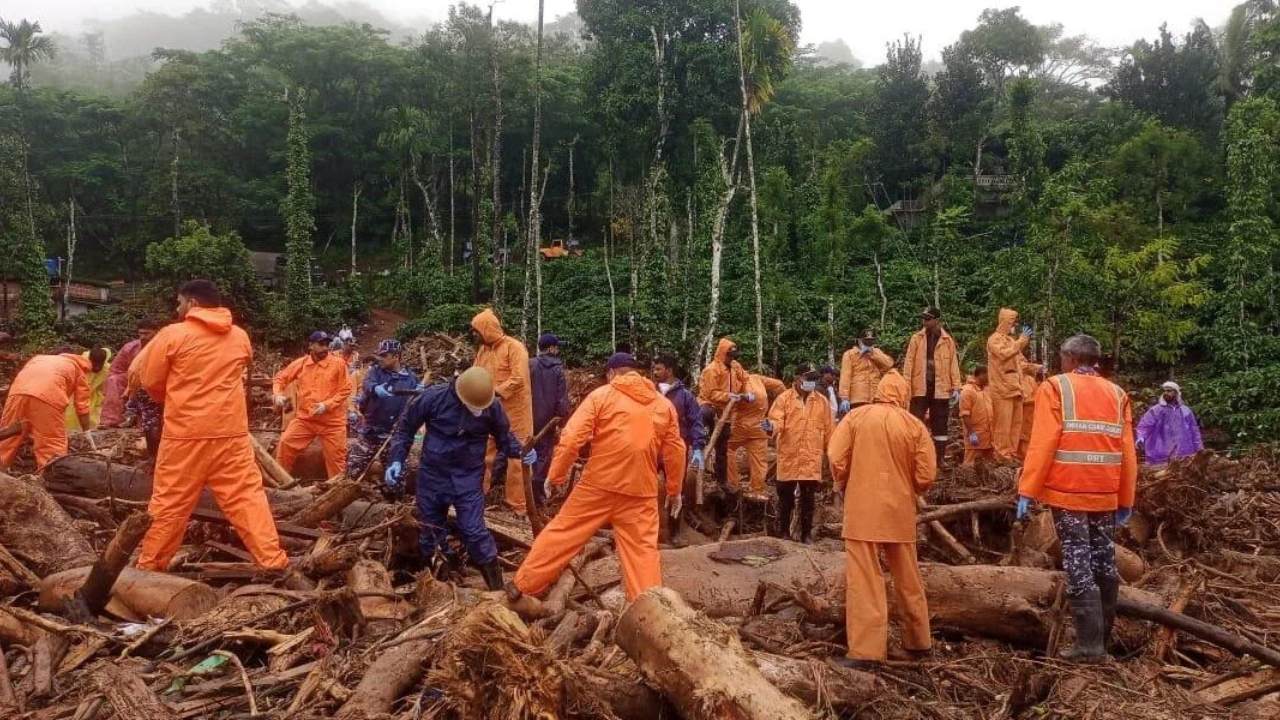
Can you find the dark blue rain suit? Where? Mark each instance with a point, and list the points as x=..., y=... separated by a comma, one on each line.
x=377, y=415
x=451, y=470
x=550, y=400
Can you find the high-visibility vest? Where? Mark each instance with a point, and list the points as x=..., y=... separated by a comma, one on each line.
x=1090, y=449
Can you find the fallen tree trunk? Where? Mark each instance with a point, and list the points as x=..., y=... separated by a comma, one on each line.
x=332, y=502
x=37, y=531
x=92, y=597
x=385, y=611
x=816, y=682
x=145, y=593
x=698, y=664
x=390, y=676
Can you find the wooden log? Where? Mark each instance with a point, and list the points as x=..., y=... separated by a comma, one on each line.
x=382, y=612
x=37, y=531
x=144, y=592
x=16, y=569
x=699, y=665
x=128, y=695
x=1130, y=607
x=91, y=598
x=330, y=561
x=332, y=502
x=947, y=540
x=387, y=678
x=813, y=681
x=273, y=473
x=944, y=512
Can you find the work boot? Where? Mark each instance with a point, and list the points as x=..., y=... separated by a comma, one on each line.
x=492, y=574
x=856, y=664
x=910, y=654
x=940, y=448
x=1109, y=590
x=1087, y=611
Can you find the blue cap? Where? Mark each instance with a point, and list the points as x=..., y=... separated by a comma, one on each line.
x=546, y=340
x=620, y=360
x=390, y=346
x=318, y=336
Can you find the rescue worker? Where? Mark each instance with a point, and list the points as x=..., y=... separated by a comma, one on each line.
x=461, y=418
x=800, y=422
x=96, y=379
x=550, y=401
x=379, y=406
x=748, y=435
x=1004, y=367
x=692, y=430
x=632, y=431
x=347, y=349
x=827, y=386
x=508, y=363
x=142, y=410
x=38, y=400
x=975, y=414
x=196, y=369
x=1169, y=429
x=1083, y=465
x=860, y=370
x=724, y=379
x=932, y=366
x=114, y=390
x=323, y=390
x=1029, y=379
x=882, y=458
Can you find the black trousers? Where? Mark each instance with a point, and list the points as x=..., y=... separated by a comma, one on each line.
x=786, y=504
x=935, y=414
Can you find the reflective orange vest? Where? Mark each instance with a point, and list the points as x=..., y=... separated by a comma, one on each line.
x=1090, y=449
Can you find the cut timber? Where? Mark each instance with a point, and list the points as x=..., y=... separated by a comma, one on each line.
x=331, y=503
x=128, y=695
x=92, y=597
x=384, y=611
x=37, y=531
x=813, y=681
x=146, y=593
x=387, y=678
x=1242, y=688
x=273, y=473
x=697, y=663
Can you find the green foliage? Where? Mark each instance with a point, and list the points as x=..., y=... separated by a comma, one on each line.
x=452, y=319
x=1246, y=404
x=109, y=326
x=298, y=208
x=220, y=257
x=19, y=241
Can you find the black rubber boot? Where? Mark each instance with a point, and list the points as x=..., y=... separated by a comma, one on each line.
x=492, y=573
x=1109, y=591
x=1087, y=611
x=940, y=449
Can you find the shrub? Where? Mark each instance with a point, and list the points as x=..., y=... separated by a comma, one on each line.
x=223, y=259
x=1246, y=404
x=452, y=319
x=100, y=327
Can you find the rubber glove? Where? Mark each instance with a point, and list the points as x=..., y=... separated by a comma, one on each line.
x=548, y=490
x=844, y=406
x=353, y=417
x=1122, y=516
x=1027, y=332
x=280, y=400
x=749, y=397
x=383, y=390
x=674, y=503
x=1141, y=444
x=735, y=396
x=699, y=460
x=973, y=439
x=955, y=396
x=530, y=457
x=1024, y=507
x=391, y=479
x=767, y=426
x=319, y=409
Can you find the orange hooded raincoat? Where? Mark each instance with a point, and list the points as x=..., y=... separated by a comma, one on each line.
x=1028, y=384
x=507, y=361
x=719, y=381
x=315, y=383
x=859, y=374
x=975, y=407
x=632, y=430
x=747, y=435
x=801, y=427
x=882, y=457
x=1004, y=368
x=196, y=369
x=43, y=390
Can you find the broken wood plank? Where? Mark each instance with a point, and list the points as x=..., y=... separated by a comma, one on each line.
x=1242, y=688
x=128, y=695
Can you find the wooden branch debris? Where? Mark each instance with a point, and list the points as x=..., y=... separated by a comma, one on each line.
x=273, y=473
x=698, y=492
x=1198, y=628
x=947, y=540
x=127, y=694
x=91, y=598
x=930, y=514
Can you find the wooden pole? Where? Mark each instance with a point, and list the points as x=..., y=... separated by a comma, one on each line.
x=711, y=446
x=92, y=597
x=1203, y=630
x=274, y=474
x=536, y=523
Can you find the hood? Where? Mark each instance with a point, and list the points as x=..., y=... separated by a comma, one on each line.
x=548, y=361
x=82, y=361
x=488, y=325
x=1007, y=318
x=635, y=386
x=216, y=319
x=722, y=350
x=893, y=388
x=1170, y=386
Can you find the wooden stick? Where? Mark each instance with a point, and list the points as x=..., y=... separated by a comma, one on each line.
x=711, y=445
x=947, y=539
x=17, y=568
x=274, y=474
x=1166, y=637
x=536, y=522
x=92, y=597
x=942, y=512
x=1200, y=629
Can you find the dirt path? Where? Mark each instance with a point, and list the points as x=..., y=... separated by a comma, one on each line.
x=382, y=324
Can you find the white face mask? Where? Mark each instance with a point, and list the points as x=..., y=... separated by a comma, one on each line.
x=476, y=413
x=808, y=385
x=664, y=388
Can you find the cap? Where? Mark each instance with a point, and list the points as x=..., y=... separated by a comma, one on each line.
x=390, y=346
x=547, y=340
x=931, y=313
x=620, y=360
x=318, y=336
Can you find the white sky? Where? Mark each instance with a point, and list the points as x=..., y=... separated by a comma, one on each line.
x=865, y=26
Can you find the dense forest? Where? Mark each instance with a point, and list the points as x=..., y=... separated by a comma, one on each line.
x=717, y=177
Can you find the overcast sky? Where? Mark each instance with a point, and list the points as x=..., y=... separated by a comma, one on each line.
x=865, y=26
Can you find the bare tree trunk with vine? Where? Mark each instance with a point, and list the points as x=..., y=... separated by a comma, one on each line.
x=751, y=177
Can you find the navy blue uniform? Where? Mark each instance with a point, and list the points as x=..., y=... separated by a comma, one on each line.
x=451, y=470
x=377, y=415
x=550, y=400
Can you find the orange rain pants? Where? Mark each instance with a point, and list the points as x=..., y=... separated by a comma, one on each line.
x=866, y=606
x=331, y=428
x=1006, y=431
x=42, y=422
x=757, y=450
x=226, y=465
x=635, y=534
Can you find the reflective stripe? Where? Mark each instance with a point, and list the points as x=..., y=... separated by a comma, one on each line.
x=940, y=438
x=1068, y=398
x=1093, y=426
x=1084, y=457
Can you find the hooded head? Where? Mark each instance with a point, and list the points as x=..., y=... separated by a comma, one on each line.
x=724, y=349
x=632, y=384
x=1007, y=318
x=216, y=319
x=1171, y=393
x=488, y=327
x=893, y=388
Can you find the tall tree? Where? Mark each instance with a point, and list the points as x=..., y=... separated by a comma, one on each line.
x=24, y=46
x=298, y=208
x=1176, y=82
x=533, y=254
x=898, y=118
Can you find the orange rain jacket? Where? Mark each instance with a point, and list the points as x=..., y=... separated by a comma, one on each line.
x=1004, y=358
x=747, y=416
x=946, y=365
x=629, y=425
x=975, y=404
x=196, y=368
x=882, y=457
x=802, y=427
x=317, y=382
x=860, y=373
x=507, y=361
x=56, y=380
x=718, y=381
x=1082, y=454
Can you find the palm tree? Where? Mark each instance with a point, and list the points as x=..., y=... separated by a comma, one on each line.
x=23, y=48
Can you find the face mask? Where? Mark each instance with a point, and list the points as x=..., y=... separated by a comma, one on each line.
x=476, y=413
x=664, y=388
x=808, y=385
x=318, y=356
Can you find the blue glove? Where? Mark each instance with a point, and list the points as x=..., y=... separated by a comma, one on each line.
x=767, y=426
x=1027, y=332
x=844, y=406
x=1122, y=516
x=973, y=439
x=749, y=397
x=421, y=386
x=383, y=390
x=699, y=460
x=391, y=480
x=530, y=457
x=1024, y=507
